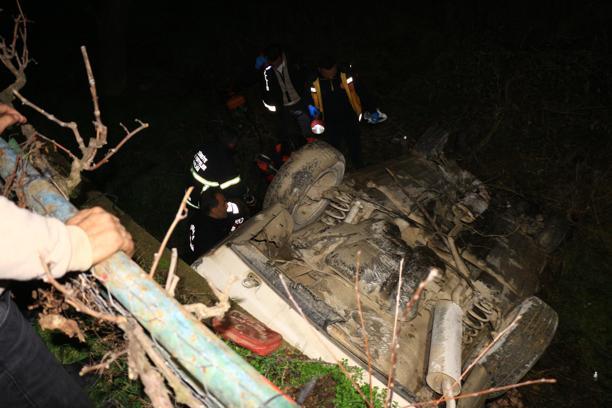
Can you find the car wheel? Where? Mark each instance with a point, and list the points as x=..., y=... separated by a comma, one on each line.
x=300, y=183
x=518, y=350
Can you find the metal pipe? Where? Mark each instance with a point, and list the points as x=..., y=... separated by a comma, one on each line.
x=444, y=371
x=210, y=361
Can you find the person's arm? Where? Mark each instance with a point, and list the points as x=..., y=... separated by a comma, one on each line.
x=27, y=240
x=369, y=101
x=9, y=116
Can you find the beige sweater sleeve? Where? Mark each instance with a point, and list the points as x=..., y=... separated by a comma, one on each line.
x=28, y=239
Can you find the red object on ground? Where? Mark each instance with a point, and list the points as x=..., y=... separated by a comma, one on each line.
x=235, y=101
x=247, y=332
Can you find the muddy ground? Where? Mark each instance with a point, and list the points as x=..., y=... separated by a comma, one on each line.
x=524, y=91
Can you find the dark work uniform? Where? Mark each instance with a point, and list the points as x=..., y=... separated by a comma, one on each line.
x=292, y=121
x=214, y=163
x=204, y=233
x=341, y=122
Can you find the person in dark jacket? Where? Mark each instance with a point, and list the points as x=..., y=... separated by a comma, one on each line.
x=213, y=166
x=283, y=91
x=210, y=225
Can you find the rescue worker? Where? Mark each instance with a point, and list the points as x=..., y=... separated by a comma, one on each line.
x=338, y=103
x=213, y=166
x=209, y=225
x=283, y=91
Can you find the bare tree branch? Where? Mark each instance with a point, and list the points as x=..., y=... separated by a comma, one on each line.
x=181, y=214
x=54, y=143
x=140, y=367
x=363, y=326
x=338, y=363
x=394, y=338
x=101, y=130
x=123, y=141
x=482, y=353
x=105, y=363
x=77, y=304
x=434, y=403
x=181, y=393
x=15, y=60
x=433, y=273
x=88, y=150
x=171, y=278
x=70, y=125
x=202, y=311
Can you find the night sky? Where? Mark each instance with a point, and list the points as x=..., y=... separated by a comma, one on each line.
x=524, y=89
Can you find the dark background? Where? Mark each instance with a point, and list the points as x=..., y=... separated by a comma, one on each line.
x=524, y=89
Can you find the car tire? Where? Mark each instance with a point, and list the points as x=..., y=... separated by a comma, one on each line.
x=518, y=350
x=301, y=181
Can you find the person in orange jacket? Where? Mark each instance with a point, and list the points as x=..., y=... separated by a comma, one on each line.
x=339, y=102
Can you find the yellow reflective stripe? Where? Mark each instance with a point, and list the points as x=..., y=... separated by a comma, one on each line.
x=349, y=87
x=207, y=183
x=229, y=183
x=202, y=180
x=315, y=92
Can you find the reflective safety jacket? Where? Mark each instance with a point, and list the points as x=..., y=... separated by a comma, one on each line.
x=347, y=83
x=213, y=166
x=272, y=94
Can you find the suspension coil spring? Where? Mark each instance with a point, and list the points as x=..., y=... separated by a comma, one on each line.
x=477, y=318
x=338, y=208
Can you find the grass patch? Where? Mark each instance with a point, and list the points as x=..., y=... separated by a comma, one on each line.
x=286, y=368
x=110, y=389
x=290, y=371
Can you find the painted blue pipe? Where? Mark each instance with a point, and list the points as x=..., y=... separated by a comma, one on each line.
x=210, y=361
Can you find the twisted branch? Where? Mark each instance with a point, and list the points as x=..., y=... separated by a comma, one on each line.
x=12, y=58
x=181, y=214
x=90, y=149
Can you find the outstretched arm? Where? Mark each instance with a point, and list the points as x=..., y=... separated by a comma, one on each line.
x=28, y=240
x=9, y=116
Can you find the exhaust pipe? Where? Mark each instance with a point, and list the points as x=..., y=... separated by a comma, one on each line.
x=444, y=371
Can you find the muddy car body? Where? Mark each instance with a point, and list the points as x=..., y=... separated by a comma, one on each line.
x=329, y=251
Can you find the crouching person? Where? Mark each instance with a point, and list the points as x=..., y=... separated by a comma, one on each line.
x=211, y=223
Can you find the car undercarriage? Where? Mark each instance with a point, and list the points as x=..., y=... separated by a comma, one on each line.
x=413, y=258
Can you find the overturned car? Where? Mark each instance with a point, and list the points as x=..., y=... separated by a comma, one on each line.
x=417, y=244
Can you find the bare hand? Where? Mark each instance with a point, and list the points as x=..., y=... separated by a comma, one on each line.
x=9, y=116
x=105, y=232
